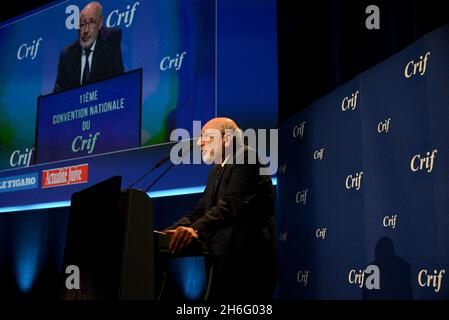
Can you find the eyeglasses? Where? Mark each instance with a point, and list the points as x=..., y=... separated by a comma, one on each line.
x=90, y=24
x=209, y=137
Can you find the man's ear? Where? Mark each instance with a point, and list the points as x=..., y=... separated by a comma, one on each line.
x=101, y=22
x=227, y=140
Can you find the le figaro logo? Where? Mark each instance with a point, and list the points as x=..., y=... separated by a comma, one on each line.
x=18, y=183
x=65, y=176
x=117, y=17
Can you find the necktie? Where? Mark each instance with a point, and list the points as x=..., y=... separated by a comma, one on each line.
x=86, y=70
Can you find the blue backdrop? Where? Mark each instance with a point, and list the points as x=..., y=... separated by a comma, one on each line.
x=363, y=180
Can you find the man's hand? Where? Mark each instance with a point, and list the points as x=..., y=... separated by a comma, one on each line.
x=181, y=238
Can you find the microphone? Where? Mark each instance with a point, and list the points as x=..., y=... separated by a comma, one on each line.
x=169, y=167
x=157, y=165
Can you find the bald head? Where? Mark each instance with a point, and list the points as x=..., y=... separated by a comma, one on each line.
x=217, y=137
x=92, y=8
x=221, y=124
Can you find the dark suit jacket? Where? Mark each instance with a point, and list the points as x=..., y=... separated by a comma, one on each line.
x=236, y=211
x=106, y=61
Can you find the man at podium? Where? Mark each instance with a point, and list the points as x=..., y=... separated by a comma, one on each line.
x=95, y=56
x=236, y=212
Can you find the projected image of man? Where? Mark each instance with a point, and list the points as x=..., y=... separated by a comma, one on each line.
x=95, y=55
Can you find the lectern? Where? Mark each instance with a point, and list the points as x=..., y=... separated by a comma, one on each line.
x=110, y=241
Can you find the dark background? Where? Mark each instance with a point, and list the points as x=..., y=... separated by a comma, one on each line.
x=18, y=8
x=323, y=44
